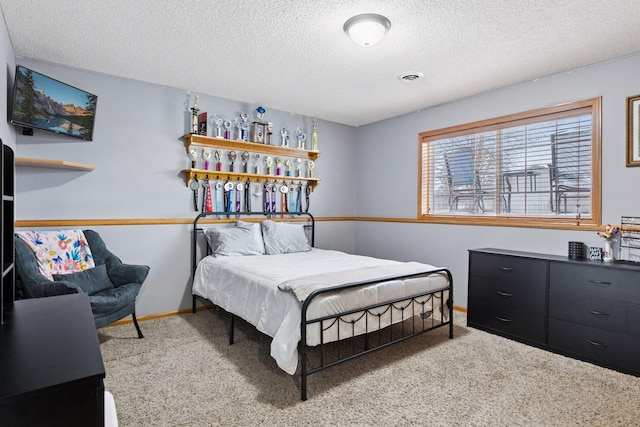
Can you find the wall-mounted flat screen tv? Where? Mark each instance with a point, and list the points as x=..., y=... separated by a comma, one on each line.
x=40, y=102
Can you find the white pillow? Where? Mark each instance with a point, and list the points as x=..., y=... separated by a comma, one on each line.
x=243, y=239
x=284, y=238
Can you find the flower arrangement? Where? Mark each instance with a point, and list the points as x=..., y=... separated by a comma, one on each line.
x=609, y=231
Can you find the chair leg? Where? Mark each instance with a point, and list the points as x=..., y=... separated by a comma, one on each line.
x=135, y=322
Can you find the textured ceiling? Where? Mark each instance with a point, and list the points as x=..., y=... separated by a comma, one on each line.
x=294, y=56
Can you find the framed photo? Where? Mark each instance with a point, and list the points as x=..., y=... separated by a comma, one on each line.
x=633, y=130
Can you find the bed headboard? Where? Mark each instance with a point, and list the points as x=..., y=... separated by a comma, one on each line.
x=198, y=230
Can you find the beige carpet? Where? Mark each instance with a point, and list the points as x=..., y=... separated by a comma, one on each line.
x=184, y=373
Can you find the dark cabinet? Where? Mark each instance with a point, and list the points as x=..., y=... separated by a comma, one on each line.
x=51, y=369
x=507, y=295
x=589, y=310
x=8, y=279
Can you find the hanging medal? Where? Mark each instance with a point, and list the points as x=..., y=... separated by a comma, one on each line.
x=228, y=196
x=219, y=196
x=284, y=190
x=239, y=188
x=299, y=198
x=273, y=197
x=292, y=199
x=247, y=196
x=266, y=198
x=307, y=193
x=194, y=185
x=207, y=198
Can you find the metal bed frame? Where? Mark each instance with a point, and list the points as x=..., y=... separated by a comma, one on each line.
x=424, y=320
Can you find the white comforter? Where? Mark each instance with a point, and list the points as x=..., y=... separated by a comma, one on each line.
x=248, y=287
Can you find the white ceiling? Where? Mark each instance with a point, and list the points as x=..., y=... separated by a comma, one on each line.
x=294, y=56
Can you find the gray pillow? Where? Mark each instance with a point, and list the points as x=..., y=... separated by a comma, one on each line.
x=284, y=238
x=239, y=240
x=91, y=281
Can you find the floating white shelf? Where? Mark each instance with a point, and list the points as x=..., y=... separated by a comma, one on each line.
x=53, y=164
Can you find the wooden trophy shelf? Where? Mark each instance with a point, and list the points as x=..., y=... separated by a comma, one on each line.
x=254, y=147
x=239, y=176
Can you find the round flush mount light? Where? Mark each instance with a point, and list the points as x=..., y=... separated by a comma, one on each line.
x=367, y=29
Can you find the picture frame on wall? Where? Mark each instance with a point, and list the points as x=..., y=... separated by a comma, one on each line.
x=633, y=130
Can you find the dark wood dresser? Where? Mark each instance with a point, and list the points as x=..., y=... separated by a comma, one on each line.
x=51, y=368
x=589, y=310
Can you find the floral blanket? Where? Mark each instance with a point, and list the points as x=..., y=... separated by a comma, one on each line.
x=59, y=252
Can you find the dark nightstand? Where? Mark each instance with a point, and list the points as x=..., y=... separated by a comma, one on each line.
x=51, y=369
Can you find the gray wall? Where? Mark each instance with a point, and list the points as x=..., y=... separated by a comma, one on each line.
x=138, y=156
x=392, y=145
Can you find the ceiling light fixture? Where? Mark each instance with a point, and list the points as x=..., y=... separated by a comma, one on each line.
x=367, y=29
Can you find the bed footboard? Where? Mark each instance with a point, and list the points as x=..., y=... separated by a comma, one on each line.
x=415, y=315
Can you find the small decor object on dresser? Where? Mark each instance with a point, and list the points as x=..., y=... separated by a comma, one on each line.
x=608, y=235
x=576, y=250
x=595, y=253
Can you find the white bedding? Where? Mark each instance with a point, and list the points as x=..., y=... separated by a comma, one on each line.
x=247, y=286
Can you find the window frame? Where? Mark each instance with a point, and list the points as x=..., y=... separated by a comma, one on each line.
x=592, y=106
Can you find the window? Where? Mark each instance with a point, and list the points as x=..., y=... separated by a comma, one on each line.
x=529, y=169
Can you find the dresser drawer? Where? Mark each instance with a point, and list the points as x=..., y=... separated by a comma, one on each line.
x=587, y=309
x=508, y=293
x=602, y=281
x=597, y=345
x=505, y=321
x=526, y=271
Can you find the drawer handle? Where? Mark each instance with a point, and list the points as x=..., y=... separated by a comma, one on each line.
x=504, y=294
x=598, y=313
x=503, y=320
x=598, y=345
x=600, y=282
x=505, y=269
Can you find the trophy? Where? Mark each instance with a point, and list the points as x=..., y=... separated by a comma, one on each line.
x=245, y=161
x=278, y=166
x=301, y=137
x=218, y=156
x=194, y=155
x=269, y=161
x=232, y=158
x=284, y=133
x=202, y=123
x=194, y=116
x=257, y=166
x=269, y=132
x=244, y=117
x=206, y=155
x=239, y=127
x=314, y=135
x=310, y=166
x=299, y=168
x=227, y=129
x=217, y=121
x=258, y=127
x=288, y=165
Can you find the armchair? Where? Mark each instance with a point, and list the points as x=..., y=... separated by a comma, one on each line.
x=112, y=286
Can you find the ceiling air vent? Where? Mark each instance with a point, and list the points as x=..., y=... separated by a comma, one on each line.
x=411, y=76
